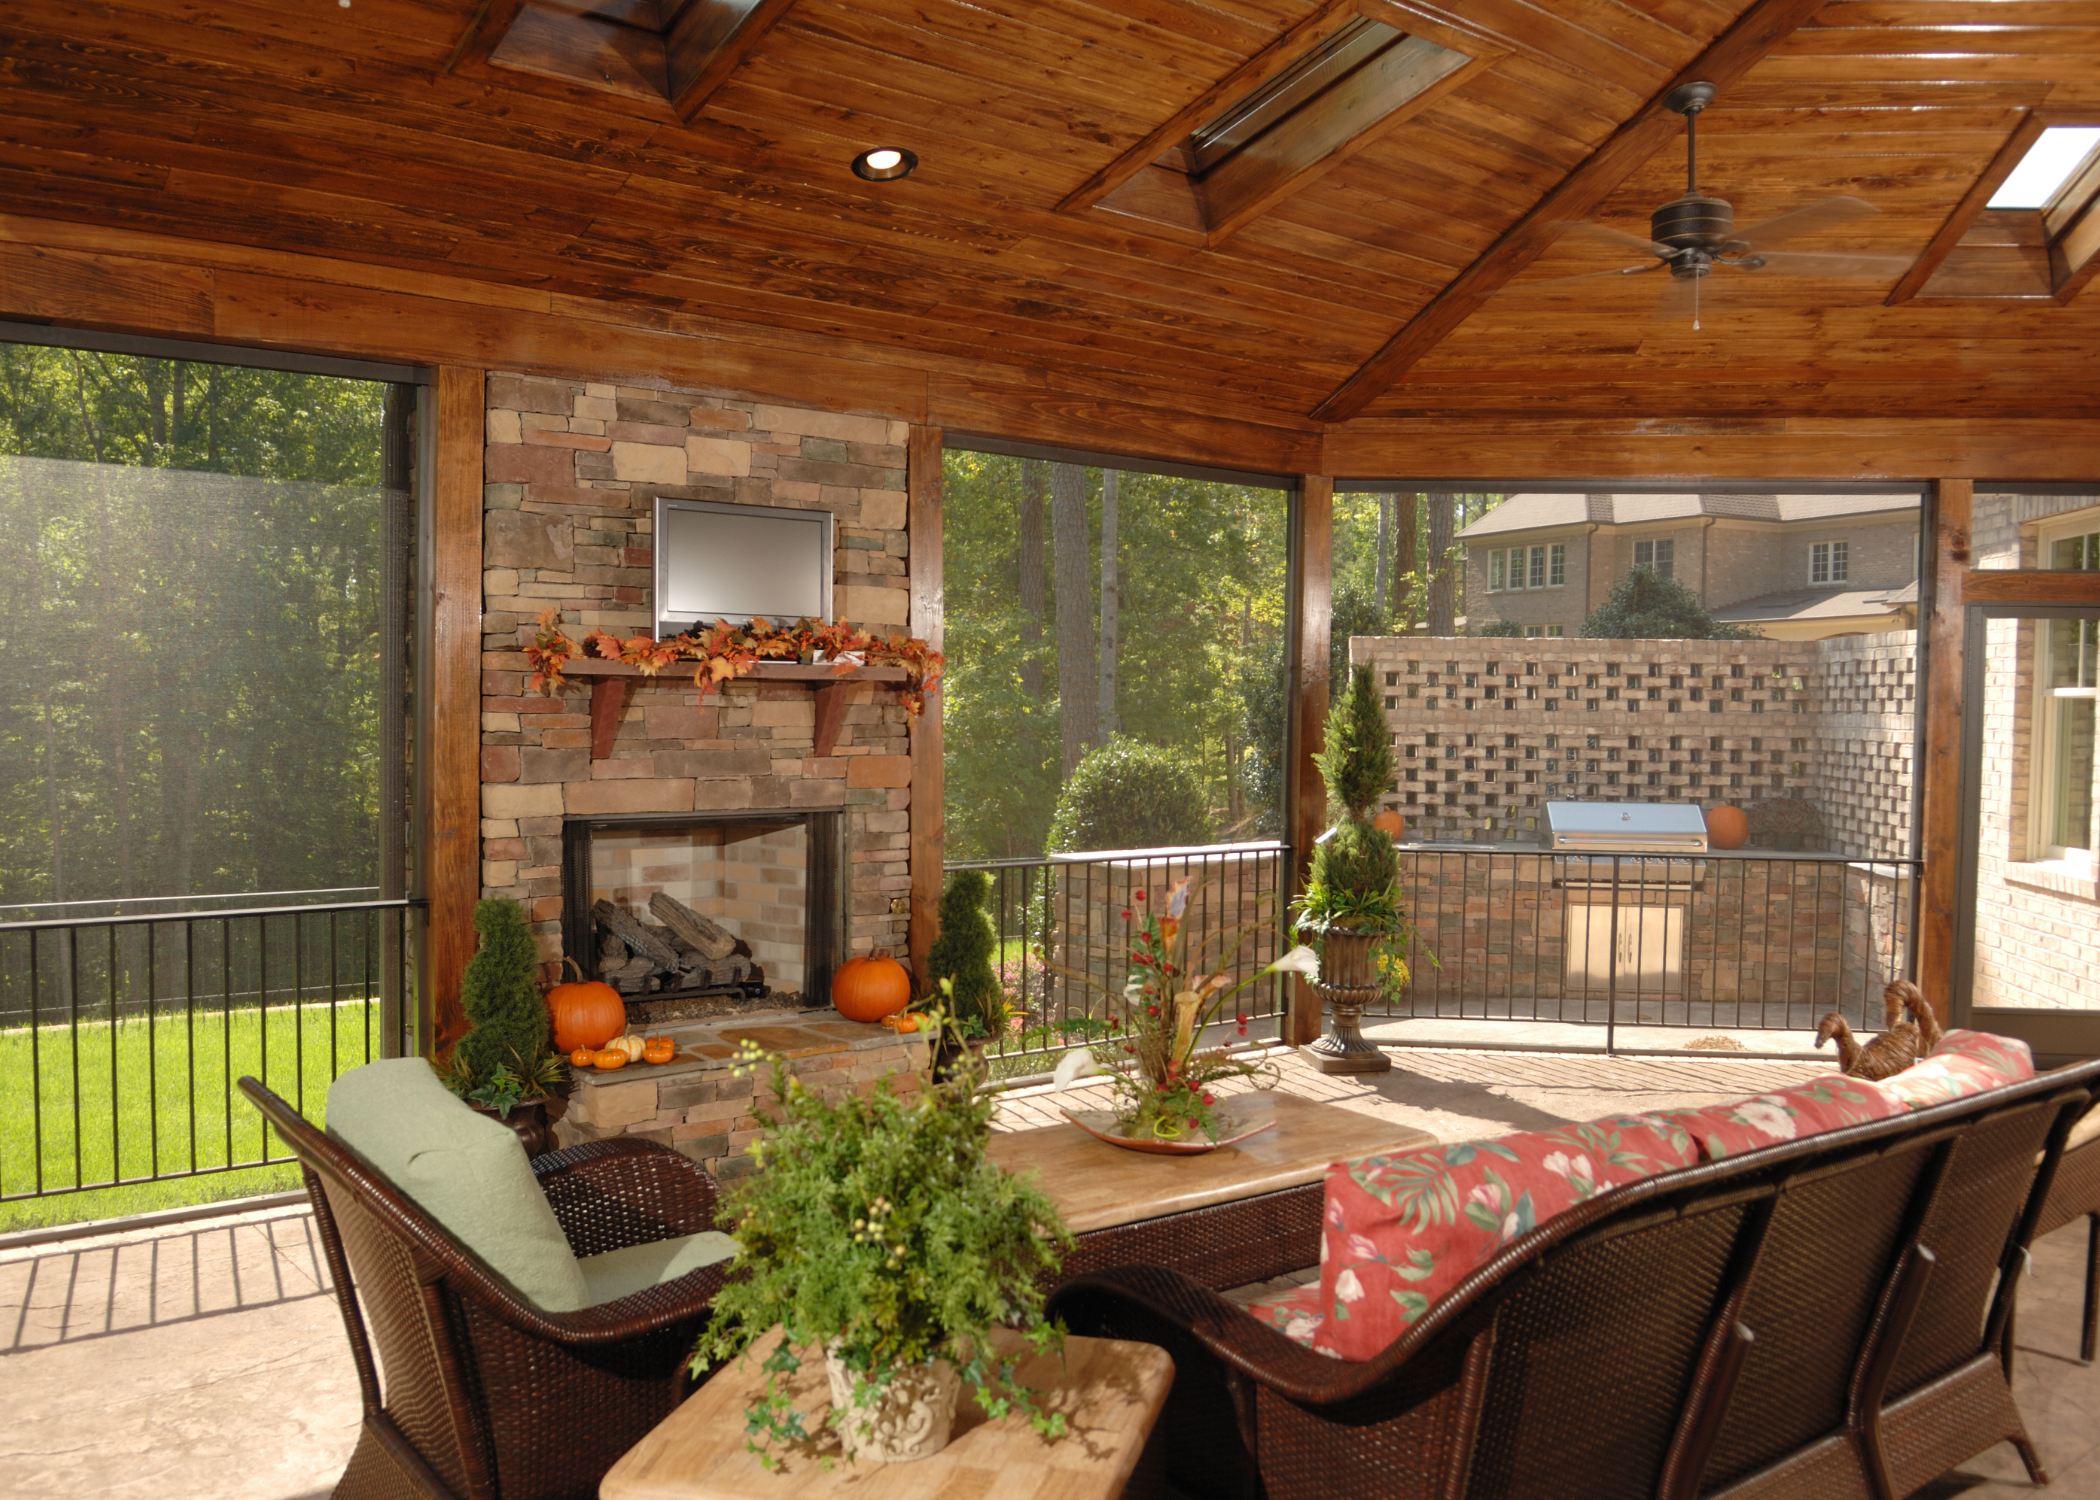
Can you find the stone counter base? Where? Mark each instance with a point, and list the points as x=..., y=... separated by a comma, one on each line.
x=697, y=1105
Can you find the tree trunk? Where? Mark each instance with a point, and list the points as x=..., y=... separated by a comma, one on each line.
x=1407, y=558
x=1442, y=611
x=1111, y=487
x=1385, y=534
x=1034, y=479
x=1076, y=685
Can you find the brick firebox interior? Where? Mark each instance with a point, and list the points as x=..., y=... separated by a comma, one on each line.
x=572, y=472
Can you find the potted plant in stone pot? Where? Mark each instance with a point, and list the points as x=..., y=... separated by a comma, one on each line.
x=505, y=1066
x=959, y=964
x=1351, y=907
x=878, y=1238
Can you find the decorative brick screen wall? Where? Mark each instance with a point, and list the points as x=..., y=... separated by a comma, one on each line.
x=1487, y=730
x=572, y=474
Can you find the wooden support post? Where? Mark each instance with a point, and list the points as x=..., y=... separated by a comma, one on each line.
x=1939, y=759
x=452, y=772
x=928, y=614
x=1312, y=614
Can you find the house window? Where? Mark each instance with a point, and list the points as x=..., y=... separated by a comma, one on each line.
x=1830, y=562
x=2069, y=685
x=1542, y=632
x=1538, y=567
x=1659, y=555
x=1495, y=575
x=1556, y=565
x=2076, y=553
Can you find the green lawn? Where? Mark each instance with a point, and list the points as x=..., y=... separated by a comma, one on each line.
x=182, y=1072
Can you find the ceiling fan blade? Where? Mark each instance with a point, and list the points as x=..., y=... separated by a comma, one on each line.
x=1622, y=271
x=1799, y=263
x=1827, y=214
x=1618, y=237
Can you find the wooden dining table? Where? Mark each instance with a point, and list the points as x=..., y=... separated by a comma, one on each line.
x=1223, y=1217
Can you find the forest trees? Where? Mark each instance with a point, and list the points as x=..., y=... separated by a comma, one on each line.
x=1184, y=590
x=192, y=585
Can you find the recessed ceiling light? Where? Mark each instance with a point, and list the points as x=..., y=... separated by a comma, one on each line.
x=884, y=164
x=2056, y=154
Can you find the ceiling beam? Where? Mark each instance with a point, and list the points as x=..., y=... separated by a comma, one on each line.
x=1755, y=33
x=702, y=61
x=1970, y=209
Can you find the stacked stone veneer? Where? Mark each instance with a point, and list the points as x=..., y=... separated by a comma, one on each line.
x=1487, y=730
x=707, y=1107
x=573, y=470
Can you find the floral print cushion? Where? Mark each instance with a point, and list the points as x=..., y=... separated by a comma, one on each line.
x=1293, y=1312
x=1964, y=1063
x=1789, y=1114
x=1403, y=1230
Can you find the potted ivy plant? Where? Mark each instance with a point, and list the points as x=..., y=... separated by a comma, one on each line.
x=878, y=1236
x=1350, y=911
x=505, y=1065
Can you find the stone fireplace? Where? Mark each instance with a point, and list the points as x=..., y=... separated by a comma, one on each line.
x=677, y=909
x=667, y=777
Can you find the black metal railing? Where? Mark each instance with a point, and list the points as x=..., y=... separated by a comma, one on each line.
x=123, y=1037
x=1066, y=922
x=1759, y=942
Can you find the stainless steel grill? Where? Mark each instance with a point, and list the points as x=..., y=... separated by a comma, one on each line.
x=1625, y=828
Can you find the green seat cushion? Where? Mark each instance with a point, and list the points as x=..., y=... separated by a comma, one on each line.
x=636, y=1268
x=466, y=1170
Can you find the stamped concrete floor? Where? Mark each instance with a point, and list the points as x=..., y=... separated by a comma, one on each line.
x=208, y=1358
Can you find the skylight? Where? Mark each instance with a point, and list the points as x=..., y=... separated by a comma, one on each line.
x=2047, y=166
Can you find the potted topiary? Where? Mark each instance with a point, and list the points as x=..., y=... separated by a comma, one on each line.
x=959, y=964
x=504, y=1065
x=878, y=1236
x=1350, y=908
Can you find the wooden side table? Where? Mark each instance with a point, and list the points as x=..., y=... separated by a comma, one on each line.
x=1110, y=1392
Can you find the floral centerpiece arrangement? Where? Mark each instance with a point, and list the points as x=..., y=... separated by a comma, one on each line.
x=1168, y=1092
x=724, y=651
x=877, y=1231
x=1351, y=909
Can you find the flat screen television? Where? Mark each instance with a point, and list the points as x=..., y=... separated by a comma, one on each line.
x=730, y=562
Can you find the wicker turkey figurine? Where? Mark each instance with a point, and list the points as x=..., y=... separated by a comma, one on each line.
x=1903, y=1043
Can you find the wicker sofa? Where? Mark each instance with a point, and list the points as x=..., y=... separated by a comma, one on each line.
x=485, y=1393
x=1825, y=1318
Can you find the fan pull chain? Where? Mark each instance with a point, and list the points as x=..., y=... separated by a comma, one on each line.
x=1695, y=302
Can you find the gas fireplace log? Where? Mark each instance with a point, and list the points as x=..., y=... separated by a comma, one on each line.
x=711, y=938
x=635, y=935
x=727, y=971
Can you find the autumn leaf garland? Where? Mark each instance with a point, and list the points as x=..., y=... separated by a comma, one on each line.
x=723, y=652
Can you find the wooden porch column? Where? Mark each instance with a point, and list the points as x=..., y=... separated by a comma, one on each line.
x=452, y=766
x=1939, y=758
x=928, y=615
x=1312, y=620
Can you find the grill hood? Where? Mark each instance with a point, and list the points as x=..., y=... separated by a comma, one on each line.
x=1625, y=828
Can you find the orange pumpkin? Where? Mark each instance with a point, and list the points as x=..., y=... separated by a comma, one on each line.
x=867, y=989
x=659, y=1049
x=587, y=1013
x=1727, y=827
x=1390, y=823
x=580, y=1057
x=608, y=1059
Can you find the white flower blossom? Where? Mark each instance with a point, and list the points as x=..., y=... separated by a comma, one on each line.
x=1348, y=1288
x=1079, y=1063
x=1767, y=1117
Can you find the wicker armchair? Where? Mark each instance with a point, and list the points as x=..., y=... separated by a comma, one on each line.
x=2075, y=1194
x=1825, y=1318
x=486, y=1397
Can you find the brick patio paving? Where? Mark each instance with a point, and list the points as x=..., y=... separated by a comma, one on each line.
x=208, y=1358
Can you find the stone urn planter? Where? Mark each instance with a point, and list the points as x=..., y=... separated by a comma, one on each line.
x=527, y=1121
x=1348, y=982
x=911, y=1417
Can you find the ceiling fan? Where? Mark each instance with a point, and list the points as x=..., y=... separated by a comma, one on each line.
x=1694, y=236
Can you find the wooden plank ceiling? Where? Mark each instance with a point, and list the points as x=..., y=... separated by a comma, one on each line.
x=342, y=131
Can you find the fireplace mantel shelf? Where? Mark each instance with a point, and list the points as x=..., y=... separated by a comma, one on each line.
x=610, y=681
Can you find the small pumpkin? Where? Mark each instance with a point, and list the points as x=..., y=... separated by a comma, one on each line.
x=1390, y=823
x=1727, y=827
x=627, y=1045
x=659, y=1049
x=608, y=1059
x=587, y=1013
x=867, y=989
x=580, y=1057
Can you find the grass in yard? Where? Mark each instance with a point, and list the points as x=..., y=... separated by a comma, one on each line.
x=174, y=1069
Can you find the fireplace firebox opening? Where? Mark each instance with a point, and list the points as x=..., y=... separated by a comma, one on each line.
x=690, y=914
